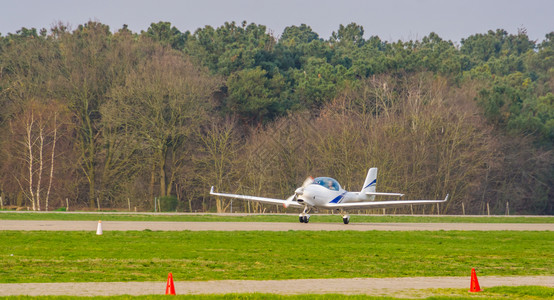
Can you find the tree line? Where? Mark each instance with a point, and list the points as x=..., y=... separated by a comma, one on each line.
x=95, y=119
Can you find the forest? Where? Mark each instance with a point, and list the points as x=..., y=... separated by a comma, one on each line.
x=98, y=119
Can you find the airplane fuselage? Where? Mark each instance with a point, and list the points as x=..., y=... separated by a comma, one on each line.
x=318, y=196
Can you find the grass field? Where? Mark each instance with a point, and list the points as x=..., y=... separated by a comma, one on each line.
x=525, y=293
x=324, y=218
x=40, y=256
x=48, y=256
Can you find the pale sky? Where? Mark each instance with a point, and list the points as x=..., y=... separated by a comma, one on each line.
x=391, y=20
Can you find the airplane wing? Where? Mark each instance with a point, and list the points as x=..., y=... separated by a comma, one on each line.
x=381, y=204
x=255, y=198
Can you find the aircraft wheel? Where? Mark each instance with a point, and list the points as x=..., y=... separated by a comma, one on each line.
x=301, y=218
x=306, y=219
x=346, y=219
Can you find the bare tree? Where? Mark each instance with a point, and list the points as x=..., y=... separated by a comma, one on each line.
x=37, y=130
x=218, y=163
x=164, y=102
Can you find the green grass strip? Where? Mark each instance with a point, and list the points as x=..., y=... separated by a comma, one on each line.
x=49, y=256
x=321, y=218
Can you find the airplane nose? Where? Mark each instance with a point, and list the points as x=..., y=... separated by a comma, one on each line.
x=305, y=197
x=299, y=191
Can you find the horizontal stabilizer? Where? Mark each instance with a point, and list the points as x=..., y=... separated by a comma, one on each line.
x=384, y=194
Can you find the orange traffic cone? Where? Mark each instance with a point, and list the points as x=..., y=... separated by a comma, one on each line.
x=474, y=282
x=170, y=288
x=99, y=228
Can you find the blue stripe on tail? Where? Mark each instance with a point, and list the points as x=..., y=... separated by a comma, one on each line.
x=372, y=183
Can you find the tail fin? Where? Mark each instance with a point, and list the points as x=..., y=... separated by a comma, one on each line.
x=370, y=182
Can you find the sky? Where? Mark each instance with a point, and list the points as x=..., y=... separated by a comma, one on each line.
x=391, y=20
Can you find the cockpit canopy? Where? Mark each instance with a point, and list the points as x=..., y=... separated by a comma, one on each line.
x=327, y=182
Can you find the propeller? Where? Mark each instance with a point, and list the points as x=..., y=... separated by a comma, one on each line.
x=298, y=191
x=308, y=181
x=289, y=201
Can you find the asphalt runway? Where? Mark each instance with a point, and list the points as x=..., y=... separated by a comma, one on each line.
x=263, y=226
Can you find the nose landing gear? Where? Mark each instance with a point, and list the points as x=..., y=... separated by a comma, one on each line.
x=304, y=217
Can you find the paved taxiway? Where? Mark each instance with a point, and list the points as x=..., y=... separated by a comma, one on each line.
x=263, y=226
x=406, y=286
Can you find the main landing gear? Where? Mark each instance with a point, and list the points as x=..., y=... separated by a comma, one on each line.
x=304, y=217
x=346, y=219
x=345, y=216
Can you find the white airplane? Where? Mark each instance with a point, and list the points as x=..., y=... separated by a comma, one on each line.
x=326, y=193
